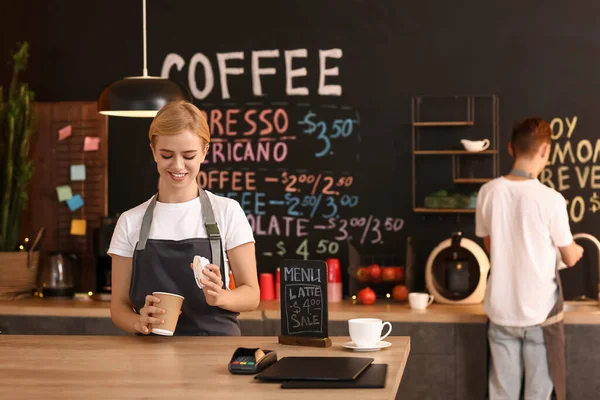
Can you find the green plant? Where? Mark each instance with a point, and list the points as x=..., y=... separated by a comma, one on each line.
x=16, y=166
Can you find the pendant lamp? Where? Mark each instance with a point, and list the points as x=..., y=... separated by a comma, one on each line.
x=140, y=96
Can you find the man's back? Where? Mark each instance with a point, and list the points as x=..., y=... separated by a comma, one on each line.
x=526, y=221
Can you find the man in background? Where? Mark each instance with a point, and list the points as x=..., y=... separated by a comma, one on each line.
x=522, y=222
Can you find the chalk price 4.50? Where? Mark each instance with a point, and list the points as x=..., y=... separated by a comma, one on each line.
x=324, y=246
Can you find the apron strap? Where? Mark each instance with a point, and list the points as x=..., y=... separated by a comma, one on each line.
x=212, y=230
x=146, y=223
x=553, y=319
x=521, y=173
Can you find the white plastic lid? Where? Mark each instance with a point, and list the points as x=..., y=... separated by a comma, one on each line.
x=163, y=332
x=170, y=294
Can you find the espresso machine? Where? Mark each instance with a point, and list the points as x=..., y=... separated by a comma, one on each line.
x=457, y=271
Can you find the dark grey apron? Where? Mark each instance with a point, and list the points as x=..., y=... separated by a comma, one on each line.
x=164, y=266
x=554, y=341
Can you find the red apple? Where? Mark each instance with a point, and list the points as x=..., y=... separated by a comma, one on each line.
x=374, y=271
x=362, y=274
x=366, y=296
x=388, y=274
x=399, y=274
x=400, y=293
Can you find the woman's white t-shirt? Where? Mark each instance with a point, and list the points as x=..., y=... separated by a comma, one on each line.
x=179, y=221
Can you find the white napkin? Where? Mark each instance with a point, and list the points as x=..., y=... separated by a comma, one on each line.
x=199, y=264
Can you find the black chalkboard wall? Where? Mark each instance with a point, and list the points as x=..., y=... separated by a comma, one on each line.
x=538, y=59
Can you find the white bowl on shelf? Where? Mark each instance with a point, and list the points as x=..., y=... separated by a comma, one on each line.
x=475, y=145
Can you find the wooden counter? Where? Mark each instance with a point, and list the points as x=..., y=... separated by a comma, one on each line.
x=448, y=344
x=576, y=312
x=393, y=312
x=110, y=367
x=585, y=312
x=75, y=308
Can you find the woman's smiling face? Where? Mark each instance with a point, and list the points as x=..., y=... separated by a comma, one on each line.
x=178, y=157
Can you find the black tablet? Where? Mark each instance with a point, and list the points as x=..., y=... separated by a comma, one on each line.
x=315, y=368
x=372, y=378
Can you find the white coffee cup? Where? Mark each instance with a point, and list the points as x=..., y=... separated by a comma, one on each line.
x=420, y=301
x=366, y=332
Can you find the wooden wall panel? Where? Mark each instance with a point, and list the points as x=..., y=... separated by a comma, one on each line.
x=52, y=161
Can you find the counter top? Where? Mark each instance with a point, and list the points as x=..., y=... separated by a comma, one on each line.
x=74, y=308
x=576, y=312
x=154, y=367
x=393, y=312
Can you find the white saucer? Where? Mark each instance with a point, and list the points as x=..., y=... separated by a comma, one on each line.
x=378, y=346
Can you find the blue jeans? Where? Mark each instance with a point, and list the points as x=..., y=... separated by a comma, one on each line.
x=512, y=350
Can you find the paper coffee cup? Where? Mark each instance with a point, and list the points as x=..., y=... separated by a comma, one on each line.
x=171, y=303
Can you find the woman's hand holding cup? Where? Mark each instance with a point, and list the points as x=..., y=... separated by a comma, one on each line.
x=147, y=315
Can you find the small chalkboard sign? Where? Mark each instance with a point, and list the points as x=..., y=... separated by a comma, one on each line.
x=304, y=314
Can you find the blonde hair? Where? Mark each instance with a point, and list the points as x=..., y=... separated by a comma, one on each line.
x=176, y=117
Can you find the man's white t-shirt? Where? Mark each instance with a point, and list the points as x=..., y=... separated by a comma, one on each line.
x=179, y=221
x=526, y=222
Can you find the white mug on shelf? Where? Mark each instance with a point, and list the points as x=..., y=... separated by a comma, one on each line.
x=420, y=301
x=366, y=332
x=475, y=145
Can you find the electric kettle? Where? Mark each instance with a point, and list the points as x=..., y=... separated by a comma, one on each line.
x=57, y=277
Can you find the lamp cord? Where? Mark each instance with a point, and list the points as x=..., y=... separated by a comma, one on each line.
x=145, y=64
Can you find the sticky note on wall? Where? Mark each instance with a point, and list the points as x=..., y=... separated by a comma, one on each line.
x=91, y=143
x=65, y=132
x=78, y=227
x=78, y=172
x=64, y=192
x=75, y=202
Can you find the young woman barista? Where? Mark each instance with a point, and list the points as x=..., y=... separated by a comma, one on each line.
x=154, y=244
